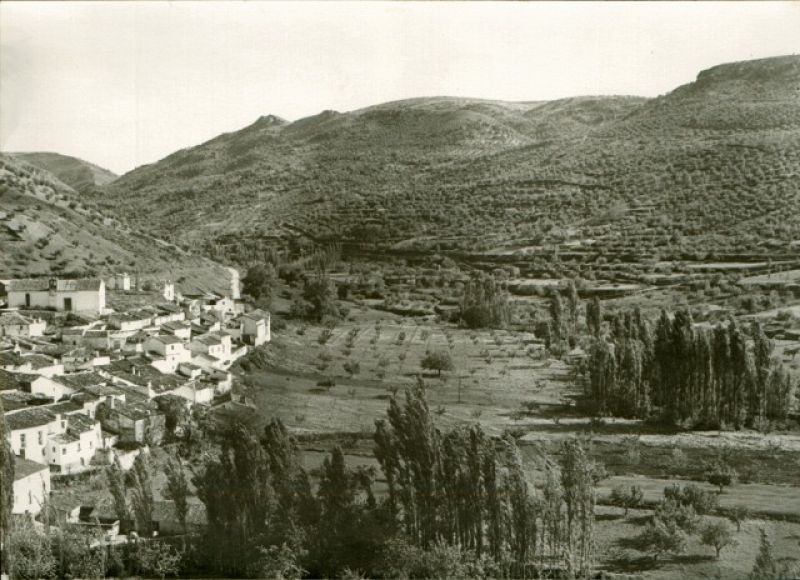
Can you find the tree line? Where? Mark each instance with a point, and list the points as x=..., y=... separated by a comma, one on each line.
x=724, y=376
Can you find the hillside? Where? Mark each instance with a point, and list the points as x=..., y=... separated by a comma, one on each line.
x=80, y=175
x=46, y=229
x=712, y=167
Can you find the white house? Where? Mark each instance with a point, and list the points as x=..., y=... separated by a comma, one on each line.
x=256, y=327
x=131, y=321
x=169, y=349
x=30, y=429
x=168, y=290
x=50, y=387
x=73, y=450
x=197, y=392
x=216, y=344
x=31, y=486
x=44, y=365
x=121, y=281
x=86, y=295
x=15, y=324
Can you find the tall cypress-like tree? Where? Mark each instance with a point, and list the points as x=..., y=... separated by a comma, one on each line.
x=6, y=490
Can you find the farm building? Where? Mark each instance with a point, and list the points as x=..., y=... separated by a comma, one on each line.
x=86, y=295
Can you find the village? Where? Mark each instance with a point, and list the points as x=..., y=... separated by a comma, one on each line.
x=85, y=385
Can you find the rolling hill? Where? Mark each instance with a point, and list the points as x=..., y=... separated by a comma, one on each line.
x=80, y=175
x=46, y=228
x=713, y=166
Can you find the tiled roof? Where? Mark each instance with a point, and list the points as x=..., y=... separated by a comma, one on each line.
x=65, y=407
x=43, y=284
x=78, y=381
x=77, y=424
x=168, y=339
x=28, y=418
x=9, y=380
x=9, y=357
x=39, y=361
x=12, y=319
x=14, y=400
x=257, y=315
x=25, y=467
x=176, y=325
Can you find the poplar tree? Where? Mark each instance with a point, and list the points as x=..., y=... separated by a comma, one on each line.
x=6, y=490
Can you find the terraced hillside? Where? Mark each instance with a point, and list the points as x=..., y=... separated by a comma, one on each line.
x=46, y=228
x=80, y=175
x=713, y=166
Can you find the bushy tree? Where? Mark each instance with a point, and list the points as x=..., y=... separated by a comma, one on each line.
x=662, y=537
x=157, y=559
x=738, y=515
x=437, y=360
x=720, y=475
x=259, y=282
x=30, y=552
x=627, y=497
x=718, y=535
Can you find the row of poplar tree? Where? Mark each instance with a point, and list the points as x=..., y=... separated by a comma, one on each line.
x=458, y=500
x=724, y=376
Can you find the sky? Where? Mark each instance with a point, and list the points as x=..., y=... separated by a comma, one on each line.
x=124, y=84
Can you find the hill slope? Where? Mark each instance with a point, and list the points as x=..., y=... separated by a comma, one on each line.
x=46, y=228
x=713, y=164
x=76, y=173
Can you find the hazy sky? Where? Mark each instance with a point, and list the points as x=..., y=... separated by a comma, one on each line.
x=123, y=84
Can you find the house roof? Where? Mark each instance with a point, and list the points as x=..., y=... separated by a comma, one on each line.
x=29, y=418
x=77, y=424
x=176, y=325
x=43, y=284
x=9, y=357
x=168, y=339
x=256, y=315
x=65, y=407
x=17, y=399
x=13, y=318
x=9, y=380
x=79, y=381
x=39, y=361
x=209, y=339
x=25, y=467
x=133, y=411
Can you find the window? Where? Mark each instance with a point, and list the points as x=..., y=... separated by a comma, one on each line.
x=30, y=497
x=79, y=446
x=22, y=440
x=27, y=300
x=63, y=451
x=41, y=437
x=68, y=304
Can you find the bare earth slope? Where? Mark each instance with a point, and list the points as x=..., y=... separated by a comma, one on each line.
x=46, y=228
x=80, y=175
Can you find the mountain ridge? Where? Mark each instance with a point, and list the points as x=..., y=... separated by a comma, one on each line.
x=480, y=172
